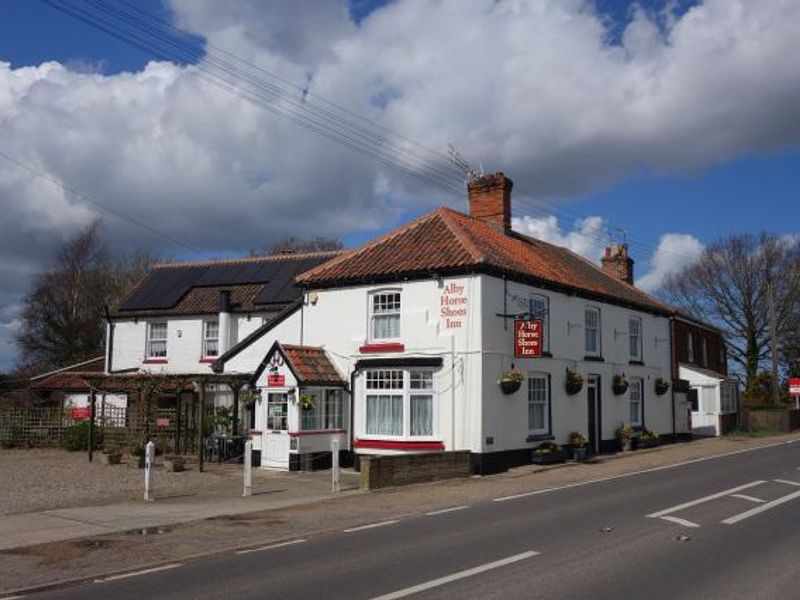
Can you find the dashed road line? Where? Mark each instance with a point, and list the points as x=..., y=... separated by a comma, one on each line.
x=137, y=573
x=271, y=546
x=371, y=526
x=679, y=521
x=787, y=482
x=446, y=510
x=759, y=509
x=746, y=497
x=456, y=576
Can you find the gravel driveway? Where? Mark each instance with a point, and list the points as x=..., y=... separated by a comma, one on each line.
x=32, y=480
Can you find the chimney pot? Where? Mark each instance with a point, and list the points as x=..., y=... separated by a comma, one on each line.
x=490, y=199
x=618, y=263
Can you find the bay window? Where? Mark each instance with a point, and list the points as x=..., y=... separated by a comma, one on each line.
x=635, y=397
x=384, y=315
x=538, y=403
x=326, y=412
x=399, y=402
x=157, y=340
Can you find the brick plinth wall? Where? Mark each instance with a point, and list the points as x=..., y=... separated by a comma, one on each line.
x=404, y=469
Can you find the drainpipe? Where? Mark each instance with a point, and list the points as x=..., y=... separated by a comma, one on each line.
x=352, y=416
x=224, y=321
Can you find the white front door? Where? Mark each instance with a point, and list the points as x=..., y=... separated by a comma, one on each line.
x=275, y=454
x=705, y=419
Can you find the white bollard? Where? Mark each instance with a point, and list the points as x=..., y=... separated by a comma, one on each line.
x=248, y=468
x=149, y=461
x=335, y=473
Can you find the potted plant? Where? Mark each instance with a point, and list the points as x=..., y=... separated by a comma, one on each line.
x=578, y=443
x=137, y=450
x=510, y=381
x=648, y=439
x=624, y=435
x=174, y=463
x=573, y=383
x=548, y=453
x=619, y=385
x=306, y=401
x=662, y=386
x=111, y=455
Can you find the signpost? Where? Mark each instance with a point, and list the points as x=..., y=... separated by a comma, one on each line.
x=248, y=468
x=335, y=472
x=527, y=338
x=794, y=390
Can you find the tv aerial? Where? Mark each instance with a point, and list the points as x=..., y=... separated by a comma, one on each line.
x=458, y=160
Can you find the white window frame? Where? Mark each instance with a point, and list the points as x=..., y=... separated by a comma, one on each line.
x=545, y=430
x=545, y=318
x=598, y=351
x=636, y=396
x=149, y=353
x=207, y=338
x=406, y=393
x=690, y=347
x=637, y=356
x=327, y=414
x=372, y=314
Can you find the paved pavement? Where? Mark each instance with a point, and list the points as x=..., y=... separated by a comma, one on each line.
x=279, y=490
x=720, y=528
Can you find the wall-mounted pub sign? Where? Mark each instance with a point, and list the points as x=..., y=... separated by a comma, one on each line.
x=527, y=338
x=275, y=380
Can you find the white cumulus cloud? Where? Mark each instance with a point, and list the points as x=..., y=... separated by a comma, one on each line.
x=674, y=253
x=586, y=236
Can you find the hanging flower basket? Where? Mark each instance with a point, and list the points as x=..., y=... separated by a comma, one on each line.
x=306, y=401
x=662, y=386
x=510, y=381
x=620, y=385
x=573, y=383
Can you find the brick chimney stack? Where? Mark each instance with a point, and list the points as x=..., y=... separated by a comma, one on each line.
x=617, y=263
x=490, y=199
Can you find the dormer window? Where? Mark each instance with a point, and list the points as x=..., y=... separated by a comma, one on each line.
x=385, y=315
x=157, y=340
x=211, y=339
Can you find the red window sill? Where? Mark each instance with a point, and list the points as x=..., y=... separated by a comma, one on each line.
x=394, y=347
x=315, y=432
x=398, y=445
x=155, y=361
x=208, y=360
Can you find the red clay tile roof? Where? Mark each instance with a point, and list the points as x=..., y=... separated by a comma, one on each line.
x=449, y=241
x=311, y=365
x=62, y=381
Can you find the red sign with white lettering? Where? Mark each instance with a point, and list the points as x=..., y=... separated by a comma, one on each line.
x=80, y=413
x=527, y=338
x=794, y=386
x=162, y=422
x=276, y=380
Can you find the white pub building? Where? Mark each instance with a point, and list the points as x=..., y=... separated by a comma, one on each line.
x=400, y=345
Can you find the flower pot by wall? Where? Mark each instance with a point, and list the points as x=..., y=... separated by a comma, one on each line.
x=548, y=458
x=580, y=454
x=110, y=458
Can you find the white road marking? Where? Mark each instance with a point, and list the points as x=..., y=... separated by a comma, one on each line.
x=679, y=521
x=446, y=510
x=10, y=597
x=137, y=573
x=759, y=509
x=704, y=499
x=787, y=482
x=371, y=526
x=456, y=576
x=642, y=472
x=746, y=497
x=272, y=546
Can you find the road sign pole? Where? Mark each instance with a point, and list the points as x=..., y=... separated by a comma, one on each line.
x=248, y=468
x=149, y=460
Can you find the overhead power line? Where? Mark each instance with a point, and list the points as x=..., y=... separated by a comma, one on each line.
x=129, y=23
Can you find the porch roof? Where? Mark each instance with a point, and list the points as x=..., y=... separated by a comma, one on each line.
x=310, y=365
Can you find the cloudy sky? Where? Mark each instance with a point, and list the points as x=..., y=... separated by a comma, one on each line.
x=667, y=122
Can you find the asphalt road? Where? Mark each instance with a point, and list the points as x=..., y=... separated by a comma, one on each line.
x=721, y=528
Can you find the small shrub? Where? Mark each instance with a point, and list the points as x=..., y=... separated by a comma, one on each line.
x=76, y=437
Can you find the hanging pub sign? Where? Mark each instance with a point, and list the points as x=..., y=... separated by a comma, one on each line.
x=527, y=338
x=275, y=380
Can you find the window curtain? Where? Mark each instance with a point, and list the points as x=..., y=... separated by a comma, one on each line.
x=421, y=414
x=384, y=415
x=385, y=327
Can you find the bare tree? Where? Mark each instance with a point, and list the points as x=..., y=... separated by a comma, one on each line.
x=294, y=245
x=730, y=287
x=62, y=315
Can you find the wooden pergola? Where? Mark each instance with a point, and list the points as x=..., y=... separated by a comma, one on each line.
x=147, y=385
